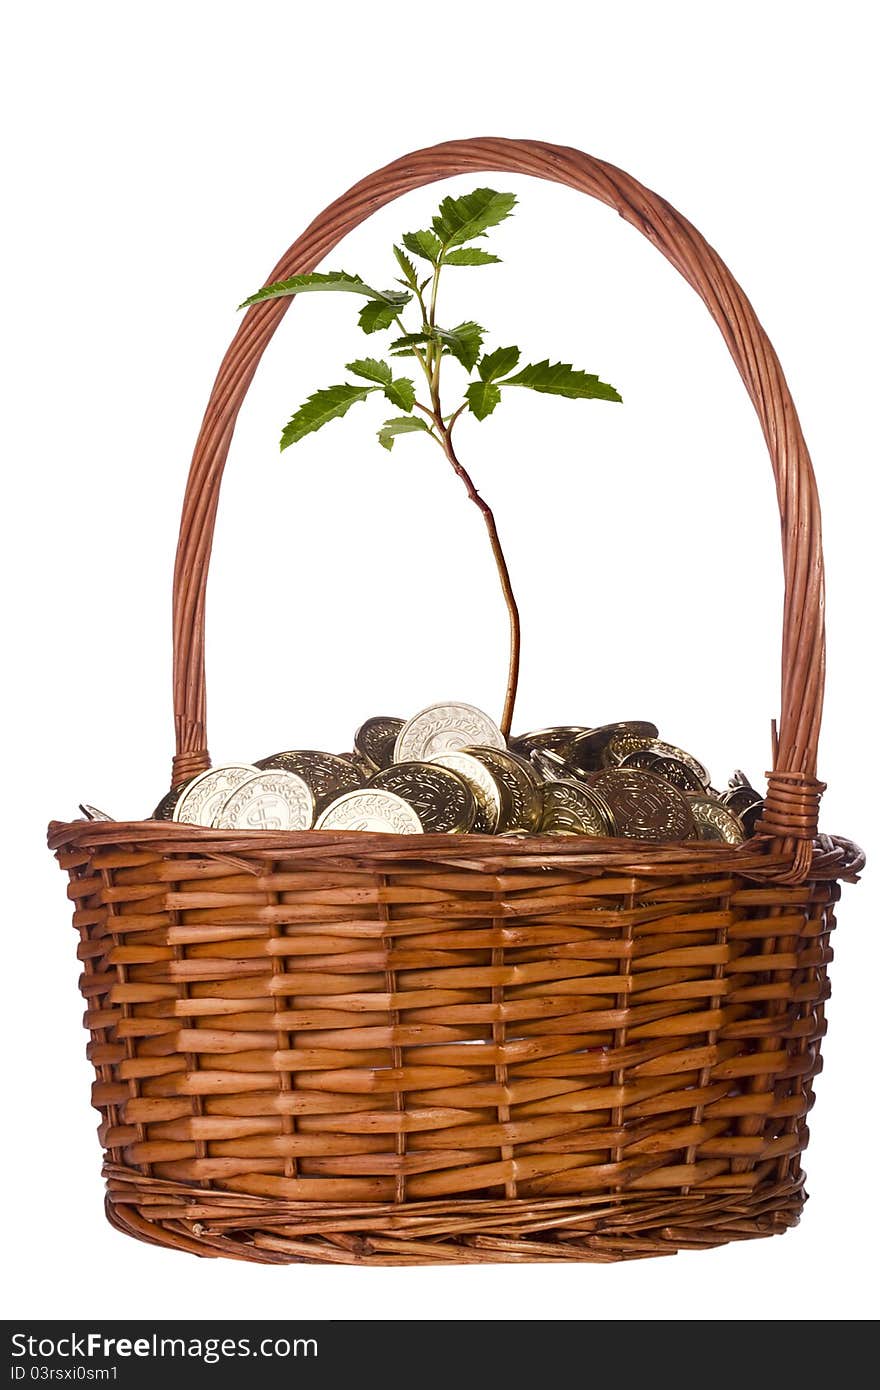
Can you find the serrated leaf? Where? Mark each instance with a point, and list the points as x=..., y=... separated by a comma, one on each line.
x=371, y=369
x=321, y=407
x=424, y=244
x=401, y=424
x=561, y=379
x=410, y=273
x=464, y=342
x=470, y=255
x=375, y=315
x=401, y=392
x=334, y=280
x=482, y=398
x=402, y=346
x=495, y=364
x=462, y=219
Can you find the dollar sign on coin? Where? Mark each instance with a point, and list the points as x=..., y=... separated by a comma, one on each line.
x=269, y=800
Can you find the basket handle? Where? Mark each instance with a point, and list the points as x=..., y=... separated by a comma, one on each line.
x=791, y=811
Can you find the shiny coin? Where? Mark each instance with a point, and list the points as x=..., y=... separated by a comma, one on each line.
x=678, y=773
x=644, y=806
x=715, y=821
x=557, y=740
x=490, y=795
x=751, y=815
x=165, y=809
x=375, y=740
x=739, y=779
x=588, y=750
x=640, y=757
x=442, y=801
x=365, y=770
x=621, y=745
x=552, y=768
x=270, y=800
x=445, y=729
x=206, y=794
x=515, y=774
x=741, y=799
x=92, y=813
x=327, y=775
x=573, y=809
x=371, y=809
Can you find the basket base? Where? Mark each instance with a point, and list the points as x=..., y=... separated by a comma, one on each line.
x=596, y=1230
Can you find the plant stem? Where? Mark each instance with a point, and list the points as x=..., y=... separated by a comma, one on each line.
x=445, y=442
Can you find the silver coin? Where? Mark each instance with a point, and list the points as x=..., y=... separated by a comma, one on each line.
x=206, y=794
x=375, y=740
x=270, y=800
x=92, y=813
x=523, y=811
x=371, y=809
x=445, y=728
x=490, y=796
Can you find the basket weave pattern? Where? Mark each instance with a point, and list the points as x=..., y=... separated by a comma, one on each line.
x=463, y=1049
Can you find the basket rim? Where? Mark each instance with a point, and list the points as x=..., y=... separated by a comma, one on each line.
x=833, y=857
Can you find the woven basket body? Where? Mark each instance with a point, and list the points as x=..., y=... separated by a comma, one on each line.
x=462, y=1049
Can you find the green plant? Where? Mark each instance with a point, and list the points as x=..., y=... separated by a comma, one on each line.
x=458, y=222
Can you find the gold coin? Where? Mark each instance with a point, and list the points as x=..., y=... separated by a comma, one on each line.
x=715, y=821
x=165, y=809
x=557, y=739
x=443, y=802
x=328, y=776
x=623, y=744
x=523, y=810
x=644, y=806
x=375, y=740
x=489, y=794
x=588, y=750
x=574, y=809
x=371, y=808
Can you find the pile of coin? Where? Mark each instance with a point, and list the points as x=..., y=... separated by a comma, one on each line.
x=450, y=770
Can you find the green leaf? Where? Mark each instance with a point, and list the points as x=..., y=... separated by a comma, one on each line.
x=371, y=369
x=401, y=424
x=495, y=364
x=470, y=255
x=464, y=342
x=331, y=280
x=410, y=274
x=423, y=244
x=321, y=407
x=403, y=347
x=376, y=315
x=482, y=398
x=401, y=392
x=561, y=379
x=462, y=219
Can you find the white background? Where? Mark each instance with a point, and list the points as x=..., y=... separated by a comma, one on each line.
x=158, y=159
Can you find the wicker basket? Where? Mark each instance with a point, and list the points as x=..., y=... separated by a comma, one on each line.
x=375, y=1049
